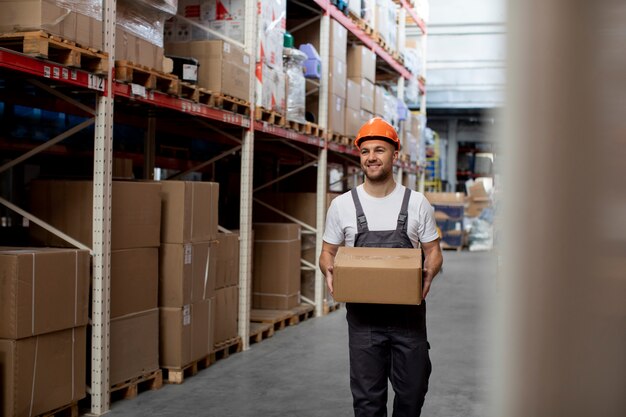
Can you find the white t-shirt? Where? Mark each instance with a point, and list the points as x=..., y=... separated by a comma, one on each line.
x=381, y=214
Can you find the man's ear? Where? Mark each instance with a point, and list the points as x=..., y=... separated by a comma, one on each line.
x=395, y=155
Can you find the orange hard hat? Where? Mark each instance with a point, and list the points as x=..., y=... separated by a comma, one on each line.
x=377, y=128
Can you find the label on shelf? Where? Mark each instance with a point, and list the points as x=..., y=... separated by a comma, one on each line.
x=94, y=82
x=136, y=89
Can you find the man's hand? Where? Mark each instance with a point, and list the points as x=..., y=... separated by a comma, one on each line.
x=329, y=280
x=326, y=262
x=433, y=259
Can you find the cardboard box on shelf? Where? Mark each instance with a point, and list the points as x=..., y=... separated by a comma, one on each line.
x=42, y=290
x=378, y=275
x=367, y=95
x=68, y=206
x=365, y=116
x=226, y=314
x=353, y=93
x=338, y=38
x=129, y=47
x=189, y=211
x=77, y=24
x=187, y=273
x=337, y=78
x=123, y=168
x=134, y=280
x=353, y=121
x=270, y=88
x=276, y=278
x=361, y=63
x=185, y=334
x=134, y=346
x=42, y=373
x=336, y=109
x=380, y=95
x=227, y=260
x=223, y=66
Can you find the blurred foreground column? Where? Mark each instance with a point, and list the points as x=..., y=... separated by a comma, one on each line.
x=563, y=282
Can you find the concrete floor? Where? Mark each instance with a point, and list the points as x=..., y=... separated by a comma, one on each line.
x=303, y=370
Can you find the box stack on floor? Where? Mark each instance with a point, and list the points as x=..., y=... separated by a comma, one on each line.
x=449, y=209
x=226, y=289
x=135, y=231
x=43, y=318
x=187, y=276
x=302, y=206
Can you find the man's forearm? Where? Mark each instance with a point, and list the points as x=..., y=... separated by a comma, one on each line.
x=326, y=260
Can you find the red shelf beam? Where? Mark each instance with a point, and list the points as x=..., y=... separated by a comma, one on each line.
x=363, y=37
x=411, y=11
x=46, y=69
x=182, y=105
x=287, y=134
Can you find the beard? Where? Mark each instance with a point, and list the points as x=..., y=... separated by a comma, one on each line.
x=379, y=176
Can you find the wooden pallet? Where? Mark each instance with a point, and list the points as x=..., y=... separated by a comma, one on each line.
x=269, y=116
x=131, y=388
x=330, y=307
x=260, y=332
x=225, y=349
x=339, y=139
x=69, y=410
x=301, y=313
x=220, y=351
x=280, y=319
x=43, y=45
x=151, y=79
x=297, y=126
x=189, y=91
x=314, y=130
x=229, y=103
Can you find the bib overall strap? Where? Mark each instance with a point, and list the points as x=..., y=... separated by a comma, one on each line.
x=404, y=211
x=361, y=221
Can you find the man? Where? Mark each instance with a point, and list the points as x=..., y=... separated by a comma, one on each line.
x=386, y=342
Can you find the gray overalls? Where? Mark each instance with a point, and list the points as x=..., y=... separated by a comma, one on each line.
x=387, y=342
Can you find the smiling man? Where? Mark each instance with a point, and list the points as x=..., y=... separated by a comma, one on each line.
x=386, y=342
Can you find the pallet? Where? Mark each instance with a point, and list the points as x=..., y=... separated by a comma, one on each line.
x=131, y=388
x=229, y=103
x=69, y=410
x=331, y=307
x=220, y=351
x=260, y=332
x=280, y=319
x=43, y=45
x=269, y=116
x=297, y=126
x=339, y=139
x=151, y=79
x=301, y=313
x=189, y=91
x=313, y=130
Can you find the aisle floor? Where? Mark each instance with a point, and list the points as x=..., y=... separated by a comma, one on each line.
x=303, y=370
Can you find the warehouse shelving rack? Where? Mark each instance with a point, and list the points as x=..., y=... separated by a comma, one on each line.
x=64, y=82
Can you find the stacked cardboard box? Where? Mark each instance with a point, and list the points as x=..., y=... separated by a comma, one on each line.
x=224, y=16
x=135, y=229
x=449, y=209
x=270, y=77
x=302, y=206
x=227, y=288
x=43, y=316
x=337, y=72
x=362, y=73
x=187, y=275
x=223, y=66
x=139, y=32
x=276, y=277
x=383, y=17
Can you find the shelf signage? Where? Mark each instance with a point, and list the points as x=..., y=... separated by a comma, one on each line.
x=136, y=89
x=94, y=82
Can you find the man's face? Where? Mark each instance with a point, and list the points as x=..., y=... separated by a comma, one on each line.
x=377, y=158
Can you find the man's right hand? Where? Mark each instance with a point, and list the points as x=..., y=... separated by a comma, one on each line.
x=329, y=279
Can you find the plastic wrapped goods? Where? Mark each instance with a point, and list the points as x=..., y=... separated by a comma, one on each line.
x=143, y=18
x=296, y=84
